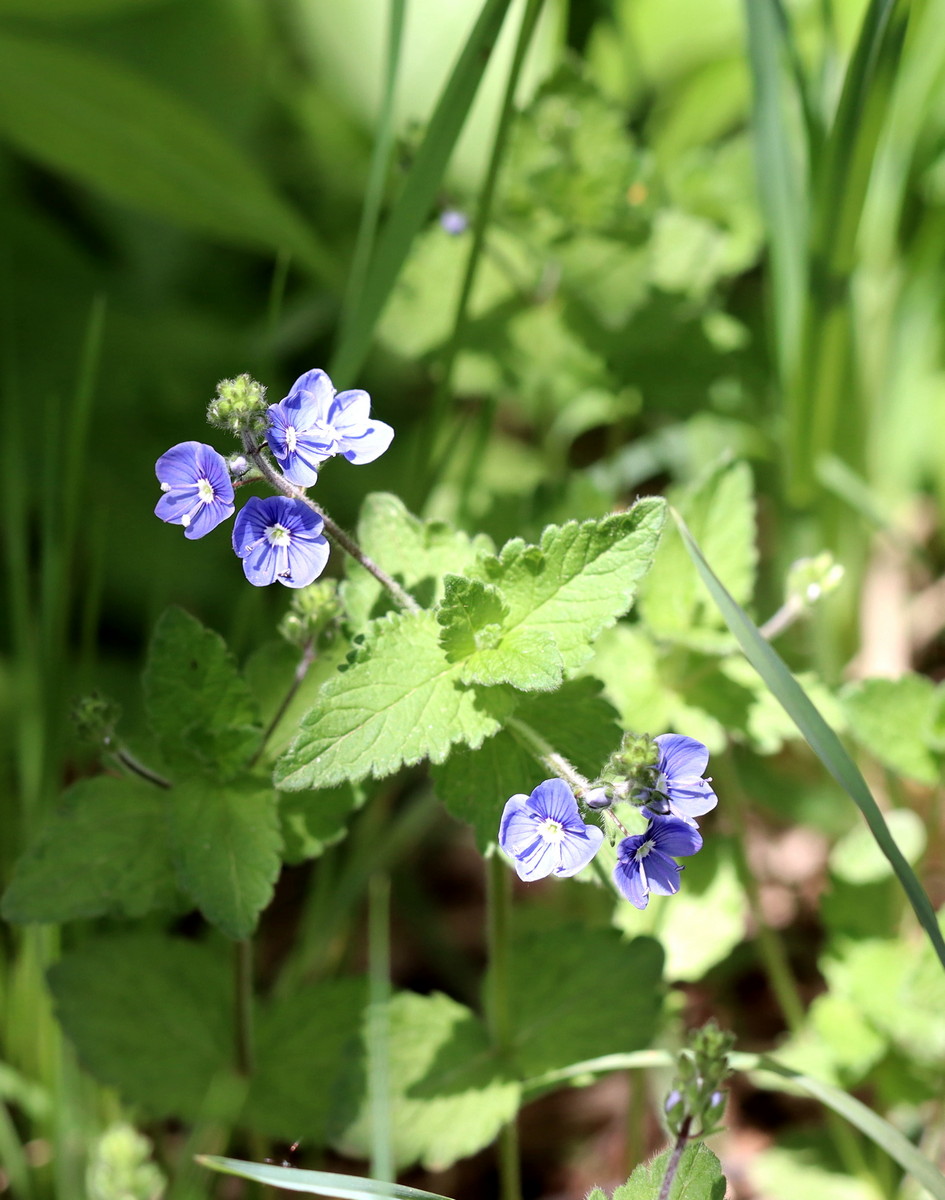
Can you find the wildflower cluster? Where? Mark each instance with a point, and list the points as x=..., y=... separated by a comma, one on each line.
x=279, y=538
x=545, y=833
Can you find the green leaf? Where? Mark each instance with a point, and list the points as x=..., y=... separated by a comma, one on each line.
x=892, y=718
x=417, y=553
x=562, y=980
x=818, y=735
x=475, y=784
x=448, y=1098
x=313, y=821
x=698, y=1177
x=198, y=705
x=399, y=702
x=150, y=1015
x=103, y=851
x=226, y=845
x=306, y=1046
x=720, y=510
x=580, y=579
x=93, y=120
x=472, y=616
x=315, y=1183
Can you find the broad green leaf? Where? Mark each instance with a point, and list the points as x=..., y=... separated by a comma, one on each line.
x=150, y=1015
x=562, y=980
x=399, y=702
x=720, y=510
x=226, y=845
x=580, y=579
x=837, y=1042
x=313, y=821
x=103, y=851
x=448, y=1097
x=892, y=718
x=472, y=616
x=783, y=1174
x=698, y=1177
x=308, y=1047
x=475, y=784
x=417, y=553
x=315, y=1183
x=100, y=123
x=857, y=859
x=198, y=705
x=817, y=733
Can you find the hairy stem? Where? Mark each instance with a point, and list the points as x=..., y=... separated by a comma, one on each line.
x=341, y=539
x=130, y=763
x=673, y=1165
x=298, y=677
x=532, y=740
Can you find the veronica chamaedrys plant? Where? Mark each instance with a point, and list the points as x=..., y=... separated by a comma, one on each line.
x=198, y=493
x=543, y=833
x=314, y=422
x=280, y=541
x=645, y=861
x=679, y=788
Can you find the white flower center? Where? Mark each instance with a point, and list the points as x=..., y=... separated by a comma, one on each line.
x=551, y=831
x=205, y=490
x=291, y=438
x=643, y=851
x=278, y=535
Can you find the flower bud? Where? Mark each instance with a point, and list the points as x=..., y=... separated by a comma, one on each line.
x=239, y=405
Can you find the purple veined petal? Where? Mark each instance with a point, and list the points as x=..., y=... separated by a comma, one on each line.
x=689, y=802
x=308, y=557
x=207, y=517
x=662, y=874
x=631, y=882
x=301, y=467
x=554, y=799
x=198, y=492
x=681, y=758
x=280, y=540
x=537, y=862
x=368, y=444
x=577, y=850
x=513, y=806
x=177, y=467
x=671, y=835
x=350, y=411
x=311, y=396
x=261, y=566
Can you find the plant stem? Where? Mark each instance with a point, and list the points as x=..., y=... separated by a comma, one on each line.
x=532, y=740
x=132, y=764
x=243, y=988
x=344, y=540
x=498, y=1009
x=378, y=1026
x=673, y=1165
x=298, y=677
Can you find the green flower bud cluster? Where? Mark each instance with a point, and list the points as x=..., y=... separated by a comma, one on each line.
x=696, y=1104
x=120, y=1167
x=809, y=579
x=239, y=406
x=628, y=774
x=95, y=718
x=314, y=610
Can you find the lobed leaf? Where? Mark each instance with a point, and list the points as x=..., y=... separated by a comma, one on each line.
x=399, y=702
x=103, y=851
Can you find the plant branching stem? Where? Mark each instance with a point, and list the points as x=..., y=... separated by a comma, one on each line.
x=298, y=678
x=341, y=539
x=673, y=1165
x=130, y=763
x=532, y=740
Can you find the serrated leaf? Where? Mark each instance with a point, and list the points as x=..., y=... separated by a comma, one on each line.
x=469, y=607
x=526, y=659
x=306, y=1044
x=580, y=579
x=562, y=980
x=720, y=511
x=198, y=705
x=226, y=845
x=103, y=851
x=576, y=720
x=417, y=553
x=892, y=718
x=150, y=1015
x=698, y=1177
x=399, y=702
x=448, y=1096
x=116, y=131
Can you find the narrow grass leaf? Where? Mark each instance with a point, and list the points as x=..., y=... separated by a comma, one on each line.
x=315, y=1183
x=816, y=732
x=420, y=189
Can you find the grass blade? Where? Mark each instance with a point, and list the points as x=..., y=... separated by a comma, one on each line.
x=315, y=1183
x=419, y=191
x=816, y=732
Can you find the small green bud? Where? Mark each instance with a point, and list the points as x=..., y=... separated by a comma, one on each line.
x=809, y=579
x=239, y=406
x=95, y=717
x=697, y=1095
x=312, y=611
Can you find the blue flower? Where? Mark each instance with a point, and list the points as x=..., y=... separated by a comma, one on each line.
x=197, y=490
x=544, y=835
x=679, y=788
x=280, y=540
x=644, y=864
x=313, y=423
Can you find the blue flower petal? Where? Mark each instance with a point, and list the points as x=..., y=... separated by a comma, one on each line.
x=671, y=835
x=280, y=541
x=681, y=757
x=631, y=882
x=198, y=492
